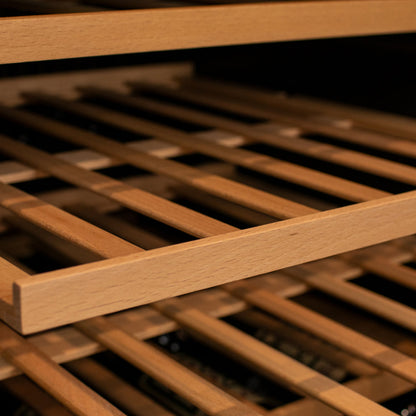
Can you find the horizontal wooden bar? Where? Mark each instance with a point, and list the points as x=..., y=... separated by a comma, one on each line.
x=68, y=36
x=80, y=399
x=171, y=271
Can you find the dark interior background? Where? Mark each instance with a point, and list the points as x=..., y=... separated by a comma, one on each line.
x=375, y=71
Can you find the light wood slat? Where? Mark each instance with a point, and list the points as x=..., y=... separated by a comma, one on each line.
x=277, y=245
x=400, y=274
x=251, y=160
x=47, y=6
x=384, y=307
x=176, y=377
x=35, y=397
x=337, y=334
x=379, y=388
x=59, y=383
x=143, y=202
x=67, y=36
x=61, y=223
x=308, y=147
x=114, y=387
x=283, y=111
x=394, y=124
x=224, y=188
x=67, y=343
x=269, y=361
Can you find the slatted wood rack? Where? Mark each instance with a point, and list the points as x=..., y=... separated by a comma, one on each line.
x=291, y=211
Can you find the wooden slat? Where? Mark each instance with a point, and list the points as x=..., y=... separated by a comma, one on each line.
x=224, y=188
x=67, y=36
x=55, y=380
x=61, y=223
x=356, y=295
x=261, y=163
x=143, y=202
x=187, y=384
x=311, y=123
x=331, y=153
x=269, y=361
x=114, y=387
x=351, y=341
x=35, y=397
x=277, y=245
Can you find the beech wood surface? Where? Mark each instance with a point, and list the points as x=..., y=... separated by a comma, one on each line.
x=129, y=31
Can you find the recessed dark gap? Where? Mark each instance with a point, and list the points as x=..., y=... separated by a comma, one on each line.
x=387, y=288
x=292, y=189
x=202, y=107
x=186, y=127
x=42, y=141
x=11, y=405
x=268, y=330
x=404, y=405
x=160, y=230
x=37, y=186
x=411, y=264
x=357, y=176
x=85, y=123
x=229, y=375
x=213, y=213
x=354, y=317
x=362, y=148
x=121, y=172
x=140, y=381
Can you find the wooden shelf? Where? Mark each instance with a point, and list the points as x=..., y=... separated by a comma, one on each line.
x=294, y=213
x=57, y=36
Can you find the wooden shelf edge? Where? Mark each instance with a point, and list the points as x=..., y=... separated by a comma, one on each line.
x=35, y=38
x=61, y=297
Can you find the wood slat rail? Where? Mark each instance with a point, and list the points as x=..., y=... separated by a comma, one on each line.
x=224, y=188
x=308, y=147
x=69, y=35
x=312, y=122
x=261, y=163
x=278, y=245
x=59, y=383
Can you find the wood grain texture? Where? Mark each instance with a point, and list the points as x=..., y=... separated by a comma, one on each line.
x=62, y=385
x=166, y=272
x=67, y=36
